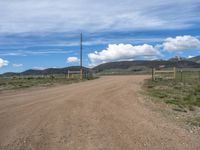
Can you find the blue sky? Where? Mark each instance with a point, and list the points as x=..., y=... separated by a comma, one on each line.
x=40, y=34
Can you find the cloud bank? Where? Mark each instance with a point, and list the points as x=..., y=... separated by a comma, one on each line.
x=117, y=52
x=90, y=15
x=181, y=43
x=3, y=62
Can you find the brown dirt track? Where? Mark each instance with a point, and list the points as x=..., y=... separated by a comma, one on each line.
x=103, y=114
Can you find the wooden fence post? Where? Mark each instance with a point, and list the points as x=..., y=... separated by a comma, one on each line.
x=199, y=75
x=68, y=74
x=181, y=75
x=152, y=73
x=174, y=72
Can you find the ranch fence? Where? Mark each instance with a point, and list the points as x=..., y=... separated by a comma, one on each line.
x=178, y=74
x=163, y=74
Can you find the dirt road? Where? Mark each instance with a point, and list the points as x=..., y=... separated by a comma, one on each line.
x=103, y=114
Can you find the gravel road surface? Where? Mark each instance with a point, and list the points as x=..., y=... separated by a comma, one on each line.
x=103, y=114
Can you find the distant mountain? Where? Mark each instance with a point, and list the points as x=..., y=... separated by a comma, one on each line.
x=177, y=58
x=195, y=59
x=49, y=71
x=140, y=65
x=121, y=66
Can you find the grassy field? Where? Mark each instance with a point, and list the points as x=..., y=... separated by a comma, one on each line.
x=12, y=83
x=183, y=93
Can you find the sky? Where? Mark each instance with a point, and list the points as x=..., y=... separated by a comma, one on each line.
x=37, y=34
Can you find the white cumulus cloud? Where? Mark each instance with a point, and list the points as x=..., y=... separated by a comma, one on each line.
x=17, y=65
x=190, y=56
x=181, y=43
x=72, y=60
x=3, y=62
x=117, y=52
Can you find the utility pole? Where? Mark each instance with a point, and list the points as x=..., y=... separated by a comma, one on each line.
x=81, y=56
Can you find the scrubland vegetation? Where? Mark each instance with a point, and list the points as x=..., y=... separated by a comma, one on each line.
x=182, y=94
x=19, y=82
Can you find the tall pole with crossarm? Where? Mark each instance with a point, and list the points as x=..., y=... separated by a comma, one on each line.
x=81, y=56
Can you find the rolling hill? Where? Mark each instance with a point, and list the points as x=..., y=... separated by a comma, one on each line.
x=49, y=71
x=142, y=65
x=120, y=66
x=195, y=59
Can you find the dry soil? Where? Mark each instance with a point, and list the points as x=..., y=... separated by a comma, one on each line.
x=103, y=114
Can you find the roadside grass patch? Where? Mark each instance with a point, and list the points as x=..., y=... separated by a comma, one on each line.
x=183, y=95
x=12, y=83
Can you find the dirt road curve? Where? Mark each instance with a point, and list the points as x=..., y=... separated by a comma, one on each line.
x=103, y=114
